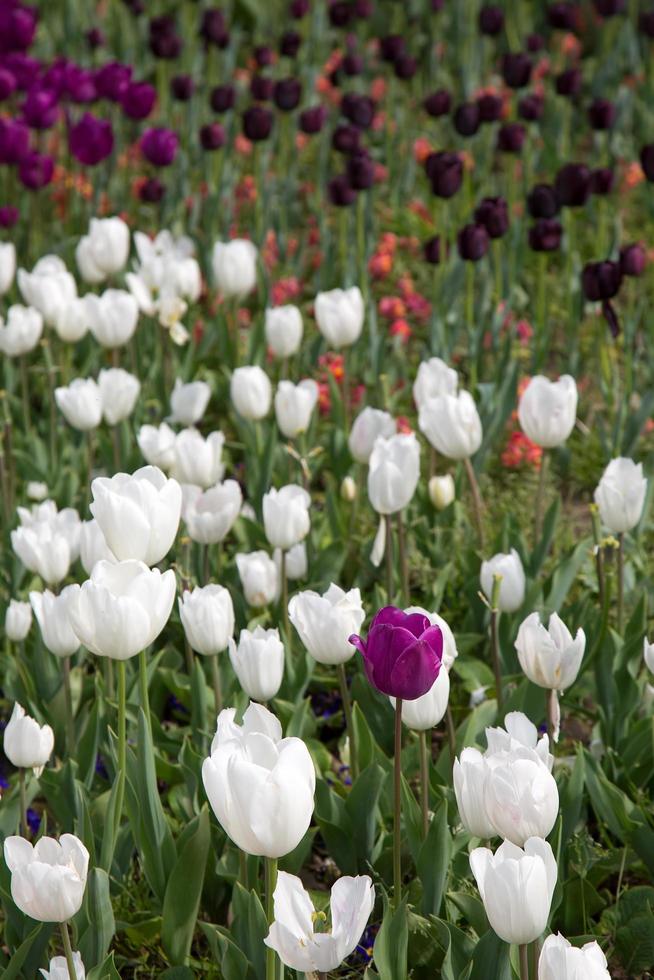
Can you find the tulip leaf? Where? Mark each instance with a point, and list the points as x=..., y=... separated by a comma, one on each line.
x=543, y=546
x=99, y=925
x=232, y=961
x=184, y=888
x=336, y=827
x=250, y=928
x=105, y=971
x=491, y=959
x=391, y=945
x=28, y=956
x=361, y=805
x=434, y=861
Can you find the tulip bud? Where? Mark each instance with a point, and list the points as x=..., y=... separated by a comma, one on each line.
x=572, y=185
x=294, y=405
x=549, y=657
x=393, y=472
x=188, y=402
x=210, y=516
x=47, y=880
x=559, y=960
x=27, y=744
x=512, y=587
x=234, y=267
x=157, y=445
x=251, y=392
x=452, y=425
x=54, y=616
x=259, y=578
x=58, y=968
x=545, y=235
x=258, y=662
x=80, y=403
x=369, y=424
x=441, y=491
x=207, y=615
x=648, y=654
x=548, y=410
x=119, y=391
x=472, y=242
x=7, y=266
x=283, y=326
x=112, y=317
x=325, y=623
x=22, y=331
x=620, y=495
x=339, y=315
x=18, y=619
x=348, y=489
x=286, y=516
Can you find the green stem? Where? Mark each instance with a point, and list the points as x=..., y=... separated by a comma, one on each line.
x=535, y=950
x=24, y=828
x=404, y=567
x=621, y=582
x=397, y=806
x=68, y=951
x=68, y=700
x=524, y=962
x=217, y=691
x=349, y=724
x=424, y=781
x=389, y=558
x=451, y=733
x=143, y=686
x=540, y=497
x=24, y=384
x=477, y=506
x=550, y=703
x=495, y=640
x=271, y=880
x=287, y=623
x=243, y=869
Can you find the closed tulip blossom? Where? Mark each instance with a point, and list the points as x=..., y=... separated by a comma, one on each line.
x=286, y=518
x=294, y=405
x=138, y=514
x=27, y=744
x=428, y=710
x=442, y=491
x=207, y=615
x=394, y=470
x=157, y=445
x=402, y=654
x=72, y=322
x=53, y=614
x=104, y=250
x=188, y=402
x=21, y=331
x=549, y=656
x=519, y=732
x=516, y=887
x=119, y=391
x=325, y=622
x=283, y=328
x=251, y=392
x=512, y=586
x=210, y=515
x=560, y=960
x=469, y=776
x=259, y=578
x=47, y=880
x=648, y=654
x=198, y=460
x=93, y=546
x=548, y=410
x=369, y=424
x=112, y=317
x=292, y=933
x=18, y=619
x=259, y=785
x=339, y=315
x=49, y=287
x=44, y=549
x=521, y=795
x=80, y=403
x=258, y=662
x=434, y=378
x=58, y=968
x=122, y=608
x=234, y=267
x=620, y=495
x=7, y=266
x=295, y=561
x=452, y=425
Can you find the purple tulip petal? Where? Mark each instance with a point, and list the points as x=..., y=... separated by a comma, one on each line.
x=415, y=671
x=357, y=642
x=389, y=616
x=416, y=623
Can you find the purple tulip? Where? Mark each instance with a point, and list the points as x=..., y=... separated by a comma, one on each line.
x=152, y=190
x=299, y=8
x=346, y=139
x=261, y=88
x=601, y=114
x=159, y=146
x=466, y=119
x=35, y=170
x=403, y=653
x=212, y=136
x=490, y=107
x=438, y=103
x=14, y=140
x=511, y=137
x=563, y=16
x=445, y=171
x=360, y=171
x=17, y=27
x=647, y=161
x=7, y=84
x=572, y=185
x=432, y=250
x=95, y=38
x=213, y=28
x=289, y=44
x=491, y=20
x=545, y=235
x=472, y=242
x=222, y=98
x=257, y=123
x=542, y=201
x=138, y=100
x=164, y=41
x=24, y=68
x=112, y=80
x=568, y=83
x=9, y=215
x=633, y=259
x=182, y=87
x=312, y=119
x=340, y=191
x=91, y=140
x=531, y=107
x=358, y=109
x=40, y=109
x=601, y=181
x=493, y=214
x=516, y=69
x=79, y=84
x=601, y=280
x=287, y=94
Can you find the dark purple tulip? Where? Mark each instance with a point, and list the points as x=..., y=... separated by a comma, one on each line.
x=17, y=27
x=437, y=5
x=633, y=259
x=611, y=318
x=340, y=192
x=360, y=171
x=530, y=107
x=403, y=653
x=352, y=64
x=35, y=170
x=159, y=146
x=164, y=40
x=112, y=80
x=490, y=107
x=289, y=44
x=222, y=98
x=79, y=84
x=601, y=114
x=609, y=8
x=95, y=38
x=493, y=214
x=346, y=139
x=41, y=108
x=182, y=87
x=438, y=103
x=545, y=235
x=601, y=181
x=511, y=137
x=535, y=43
x=363, y=9
x=647, y=161
x=138, y=100
x=445, y=171
x=261, y=88
x=152, y=190
x=516, y=69
x=466, y=119
x=24, y=68
x=568, y=83
x=299, y=8
x=542, y=201
x=340, y=13
x=7, y=84
x=257, y=123
x=432, y=250
x=572, y=185
x=491, y=20
x=9, y=215
x=212, y=136
x=646, y=23
x=359, y=109
x=391, y=47
x=14, y=140
x=287, y=94
x=263, y=55
x=91, y=140
x=563, y=16
x=213, y=28
x=135, y=7
x=312, y=119
x=601, y=280
x=405, y=66
x=472, y=242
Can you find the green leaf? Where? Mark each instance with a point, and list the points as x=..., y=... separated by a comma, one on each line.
x=434, y=861
x=30, y=951
x=183, y=891
x=391, y=945
x=250, y=928
x=361, y=805
x=100, y=926
x=490, y=960
x=106, y=970
x=233, y=963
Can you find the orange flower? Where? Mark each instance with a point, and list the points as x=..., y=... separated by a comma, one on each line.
x=421, y=149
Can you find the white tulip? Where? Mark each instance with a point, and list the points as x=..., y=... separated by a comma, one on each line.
x=53, y=614
x=283, y=327
x=36, y=490
x=72, y=320
x=325, y=622
x=119, y=391
x=65, y=522
x=548, y=410
x=22, y=331
x=112, y=317
x=104, y=251
x=49, y=287
x=560, y=960
x=366, y=428
x=93, y=546
x=394, y=473
x=286, y=518
x=450, y=652
x=47, y=880
x=251, y=392
x=295, y=561
x=58, y=968
x=292, y=934
x=512, y=586
x=469, y=776
x=18, y=619
x=259, y=578
x=157, y=445
x=428, y=710
x=80, y=403
x=198, y=460
x=549, y=657
x=44, y=550
x=259, y=785
x=27, y=744
x=207, y=615
x=7, y=266
x=258, y=662
x=339, y=315
x=620, y=495
x=234, y=267
x=521, y=795
x=452, y=425
x=210, y=516
x=441, y=491
x=294, y=405
x=648, y=654
x=188, y=402
x=434, y=378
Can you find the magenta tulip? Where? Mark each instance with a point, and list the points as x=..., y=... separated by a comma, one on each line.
x=402, y=655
